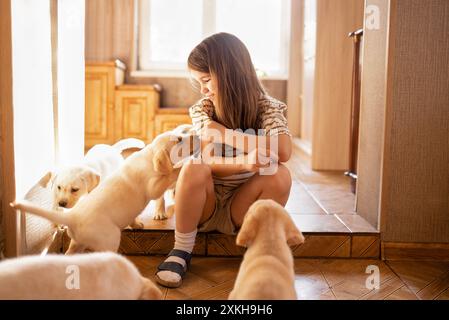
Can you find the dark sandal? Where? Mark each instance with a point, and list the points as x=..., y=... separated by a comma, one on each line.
x=174, y=267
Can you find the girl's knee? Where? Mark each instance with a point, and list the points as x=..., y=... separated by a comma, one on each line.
x=281, y=180
x=195, y=174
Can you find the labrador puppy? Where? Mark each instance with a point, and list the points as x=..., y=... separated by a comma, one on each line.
x=160, y=212
x=95, y=223
x=267, y=269
x=71, y=183
x=105, y=276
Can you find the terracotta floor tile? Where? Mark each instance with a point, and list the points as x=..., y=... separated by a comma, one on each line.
x=335, y=201
x=444, y=295
x=350, y=290
x=307, y=266
x=386, y=289
x=319, y=223
x=300, y=201
x=355, y=223
x=403, y=293
x=217, y=270
x=146, y=265
x=218, y=292
x=352, y=284
x=419, y=274
x=174, y=294
x=435, y=288
x=311, y=286
x=192, y=284
x=338, y=271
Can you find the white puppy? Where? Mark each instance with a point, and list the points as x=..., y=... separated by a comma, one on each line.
x=267, y=269
x=71, y=183
x=96, y=222
x=105, y=275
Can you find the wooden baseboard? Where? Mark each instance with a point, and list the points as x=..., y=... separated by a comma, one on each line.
x=415, y=251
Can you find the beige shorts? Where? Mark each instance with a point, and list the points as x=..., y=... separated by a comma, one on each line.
x=225, y=190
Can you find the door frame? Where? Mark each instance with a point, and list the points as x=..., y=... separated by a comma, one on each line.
x=11, y=227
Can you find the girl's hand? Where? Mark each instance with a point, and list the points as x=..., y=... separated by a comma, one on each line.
x=212, y=132
x=259, y=158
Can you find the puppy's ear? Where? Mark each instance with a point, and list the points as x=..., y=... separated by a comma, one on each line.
x=248, y=231
x=91, y=178
x=293, y=235
x=47, y=179
x=162, y=163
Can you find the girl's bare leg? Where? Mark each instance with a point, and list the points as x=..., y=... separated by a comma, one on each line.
x=275, y=187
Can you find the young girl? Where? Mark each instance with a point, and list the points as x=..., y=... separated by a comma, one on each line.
x=215, y=195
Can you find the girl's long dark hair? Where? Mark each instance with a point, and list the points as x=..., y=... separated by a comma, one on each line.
x=226, y=58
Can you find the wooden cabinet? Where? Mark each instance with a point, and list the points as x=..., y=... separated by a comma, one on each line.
x=115, y=110
x=168, y=121
x=99, y=99
x=135, y=109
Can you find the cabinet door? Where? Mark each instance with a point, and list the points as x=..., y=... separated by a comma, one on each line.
x=134, y=117
x=99, y=105
x=166, y=122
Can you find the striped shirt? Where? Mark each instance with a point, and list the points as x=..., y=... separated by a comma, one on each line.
x=272, y=118
x=272, y=115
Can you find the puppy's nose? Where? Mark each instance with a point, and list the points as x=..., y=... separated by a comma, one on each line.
x=62, y=203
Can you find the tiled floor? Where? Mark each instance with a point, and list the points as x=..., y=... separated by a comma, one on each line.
x=316, y=279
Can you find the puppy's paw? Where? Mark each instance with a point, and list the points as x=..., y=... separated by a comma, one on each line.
x=170, y=211
x=160, y=215
x=137, y=225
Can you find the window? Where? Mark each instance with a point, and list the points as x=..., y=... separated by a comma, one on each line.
x=169, y=29
x=40, y=144
x=44, y=102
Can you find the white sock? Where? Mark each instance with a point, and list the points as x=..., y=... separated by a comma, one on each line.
x=185, y=242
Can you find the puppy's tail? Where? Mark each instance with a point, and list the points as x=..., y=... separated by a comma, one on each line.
x=52, y=215
x=150, y=291
x=128, y=144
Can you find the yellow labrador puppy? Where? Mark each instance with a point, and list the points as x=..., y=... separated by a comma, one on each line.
x=70, y=183
x=95, y=222
x=106, y=276
x=160, y=213
x=267, y=269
